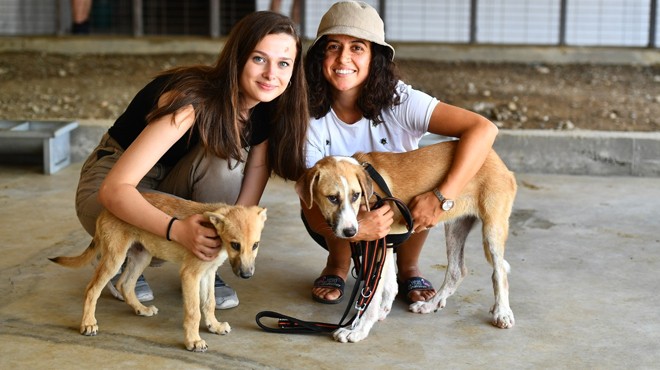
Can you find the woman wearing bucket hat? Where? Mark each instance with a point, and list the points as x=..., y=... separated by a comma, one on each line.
x=358, y=103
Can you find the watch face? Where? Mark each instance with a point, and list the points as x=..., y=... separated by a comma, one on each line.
x=447, y=205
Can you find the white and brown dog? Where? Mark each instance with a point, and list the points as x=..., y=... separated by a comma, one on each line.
x=238, y=227
x=338, y=185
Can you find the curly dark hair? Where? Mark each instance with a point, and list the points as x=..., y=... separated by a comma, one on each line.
x=378, y=93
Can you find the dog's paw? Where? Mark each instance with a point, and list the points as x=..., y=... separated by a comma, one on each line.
x=146, y=311
x=197, y=346
x=427, y=306
x=344, y=335
x=502, y=318
x=220, y=328
x=89, y=330
x=383, y=312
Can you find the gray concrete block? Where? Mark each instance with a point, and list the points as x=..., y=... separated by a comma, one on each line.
x=580, y=152
x=596, y=153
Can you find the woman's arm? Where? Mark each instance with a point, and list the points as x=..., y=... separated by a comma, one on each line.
x=256, y=175
x=119, y=193
x=476, y=137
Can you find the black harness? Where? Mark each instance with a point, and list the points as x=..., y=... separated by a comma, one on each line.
x=368, y=260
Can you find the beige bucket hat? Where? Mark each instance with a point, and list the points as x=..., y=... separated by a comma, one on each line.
x=353, y=18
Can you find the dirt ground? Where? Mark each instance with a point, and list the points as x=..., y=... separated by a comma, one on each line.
x=37, y=86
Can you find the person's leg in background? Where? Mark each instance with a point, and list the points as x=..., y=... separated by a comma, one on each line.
x=80, y=10
x=276, y=6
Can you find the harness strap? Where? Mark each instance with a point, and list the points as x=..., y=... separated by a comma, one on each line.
x=395, y=239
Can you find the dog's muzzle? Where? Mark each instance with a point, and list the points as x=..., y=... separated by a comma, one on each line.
x=347, y=232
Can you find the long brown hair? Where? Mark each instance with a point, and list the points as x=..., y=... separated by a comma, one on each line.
x=378, y=93
x=215, y=94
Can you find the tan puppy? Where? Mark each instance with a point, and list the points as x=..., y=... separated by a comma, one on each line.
x=338, y=185
x=239, y=229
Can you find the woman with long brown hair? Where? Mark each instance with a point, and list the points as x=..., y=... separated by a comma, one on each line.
x=205, y=133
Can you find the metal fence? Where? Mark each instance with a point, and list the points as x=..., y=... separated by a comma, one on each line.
x=627, y=23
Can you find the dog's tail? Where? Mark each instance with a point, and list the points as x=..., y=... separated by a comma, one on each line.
x=78, y=261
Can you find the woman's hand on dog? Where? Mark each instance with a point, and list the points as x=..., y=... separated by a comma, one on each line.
x=374, y=224
x=425, y=210
x=196, y=235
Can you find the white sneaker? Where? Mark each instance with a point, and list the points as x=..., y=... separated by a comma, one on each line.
x=142, y=289
x=225, y=296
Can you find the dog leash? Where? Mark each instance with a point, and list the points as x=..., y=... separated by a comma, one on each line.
x=368, y=260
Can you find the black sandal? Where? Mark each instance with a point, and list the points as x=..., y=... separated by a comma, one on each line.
x=414, y=283
x=329, y=281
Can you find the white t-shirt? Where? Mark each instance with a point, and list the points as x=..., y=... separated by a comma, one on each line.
x=404, y=125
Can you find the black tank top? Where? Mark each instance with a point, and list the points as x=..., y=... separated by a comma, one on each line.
x=131, y=123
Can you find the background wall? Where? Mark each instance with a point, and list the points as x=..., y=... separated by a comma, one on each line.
x=628, y=23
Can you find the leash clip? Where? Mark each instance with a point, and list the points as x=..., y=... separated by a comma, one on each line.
x=355, y=322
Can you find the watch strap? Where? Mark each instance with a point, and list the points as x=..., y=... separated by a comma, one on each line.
x=439, y=195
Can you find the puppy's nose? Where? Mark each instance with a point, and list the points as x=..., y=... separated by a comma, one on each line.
x=246, y=274
x=349, y=232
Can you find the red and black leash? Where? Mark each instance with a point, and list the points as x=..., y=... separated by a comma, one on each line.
x=368, y=260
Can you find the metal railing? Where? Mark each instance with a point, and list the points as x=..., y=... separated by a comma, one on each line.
x=541, y=22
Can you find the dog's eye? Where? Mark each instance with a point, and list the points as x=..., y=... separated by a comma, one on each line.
x=255, y=246
x=333, y=199
x=356, y=196
x=236, y=246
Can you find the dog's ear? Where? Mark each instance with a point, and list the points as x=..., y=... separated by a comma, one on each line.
x=366, y=185
x=305, y=186
x=262, y=213
x=215, y=218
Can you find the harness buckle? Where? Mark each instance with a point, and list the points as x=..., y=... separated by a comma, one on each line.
x=369, y=290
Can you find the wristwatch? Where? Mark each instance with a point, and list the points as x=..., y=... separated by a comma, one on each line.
x=445, y=204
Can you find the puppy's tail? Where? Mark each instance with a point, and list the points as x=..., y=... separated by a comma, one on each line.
x=78, y=261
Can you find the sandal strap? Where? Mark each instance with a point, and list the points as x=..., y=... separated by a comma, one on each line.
x=329, y=281
x=418, y=283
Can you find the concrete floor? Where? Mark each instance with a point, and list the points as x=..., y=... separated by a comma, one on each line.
x=584, y=251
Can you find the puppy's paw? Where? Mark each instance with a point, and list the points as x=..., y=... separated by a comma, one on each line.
x=197, y=346
x=220, y=328
x=344, y=335
x=502, y=317
x=146, y=311
x=89, y=330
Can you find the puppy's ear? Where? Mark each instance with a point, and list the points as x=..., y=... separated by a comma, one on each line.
x=305, y=186
x=216, y=218
x=366, y=185
x=262, y=214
